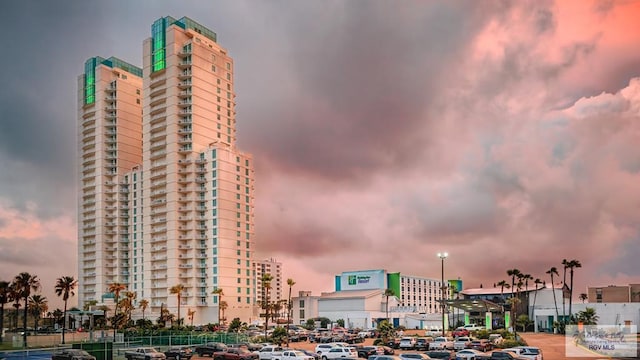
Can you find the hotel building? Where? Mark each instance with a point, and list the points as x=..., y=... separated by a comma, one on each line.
x=190, y=195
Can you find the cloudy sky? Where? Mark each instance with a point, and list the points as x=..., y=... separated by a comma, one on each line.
x=504, y=132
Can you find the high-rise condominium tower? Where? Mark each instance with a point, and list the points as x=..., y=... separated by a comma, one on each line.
x=190, y=200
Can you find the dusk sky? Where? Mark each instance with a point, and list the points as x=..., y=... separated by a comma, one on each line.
x=506, y=133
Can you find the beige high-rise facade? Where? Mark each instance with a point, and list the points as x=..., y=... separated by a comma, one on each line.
x=109, y=139
x=274, y=268
x=191, y=197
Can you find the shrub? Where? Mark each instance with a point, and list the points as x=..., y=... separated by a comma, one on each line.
x=482, y=334
x=378, y=342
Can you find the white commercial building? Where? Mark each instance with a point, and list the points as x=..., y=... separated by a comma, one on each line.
x=361, y=302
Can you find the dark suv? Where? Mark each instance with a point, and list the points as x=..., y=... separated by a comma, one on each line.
x=210, y=348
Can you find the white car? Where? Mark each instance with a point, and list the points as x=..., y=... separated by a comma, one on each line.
x=323, y=348
x=292, y=355
x=470, y=354
x=529, y=352
x=441, y=343
x=340, y=353
x=407, y=343
x=269, y=351
x=414, y=356
x=474, y=327
x=461, y=343
x=496, y=339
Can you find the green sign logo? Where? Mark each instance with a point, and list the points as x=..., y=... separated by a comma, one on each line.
x=352, y=280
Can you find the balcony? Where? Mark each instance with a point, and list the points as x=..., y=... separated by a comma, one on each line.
x=158, y=117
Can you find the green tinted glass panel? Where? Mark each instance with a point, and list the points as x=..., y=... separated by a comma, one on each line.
x=90, y=81
x=158, y=35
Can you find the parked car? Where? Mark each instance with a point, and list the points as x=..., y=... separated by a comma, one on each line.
x=505, y=355
x=481, y=345
x=384, y=357
x=474, y=327
x=470, y=354
x=210, y=348
x=235, y=354
x=460, y=331
x=310, y=353
x=179, y=353
x=321, y=349
x=388, y=351
x=414, y=356
x=461, y=343
x=440, y=354
x=530, y=352
x=496, y=339
x=340, y=353
x=144, y=353
x=72, y=354
x=292, y=355
x=407, y=343
x=268, y=351
x=441, y=343
x=366, y=351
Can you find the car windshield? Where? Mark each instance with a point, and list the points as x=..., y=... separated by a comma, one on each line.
x=530, y=351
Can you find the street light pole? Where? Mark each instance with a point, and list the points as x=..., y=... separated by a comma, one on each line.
x=442, y=256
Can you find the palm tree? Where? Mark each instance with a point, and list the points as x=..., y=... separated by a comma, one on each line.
x=26, y=283
x=290, y=282
x=190, y=314
x=37, y=305
x=573, y=264
x=266, y=286
x=588, y=316
x=583, y=297
x=130, y=298
x=4, y=299
x=223, y=307
x=220, y=293
x=565, y=264
x=14, y=295
x=535, y=295
x=551, y=272
x=177, y=290
x=387, y=294
x=513, y=273
x=503, y=284
x=115, y=289
x=143, y=304
x=65, y=287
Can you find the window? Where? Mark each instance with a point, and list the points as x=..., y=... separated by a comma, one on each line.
x=301, y=304
x=301, y=313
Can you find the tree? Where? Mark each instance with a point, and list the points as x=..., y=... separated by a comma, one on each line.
x=503, y=284
x=235, y=325
x=26, y=283
x=220, y=293
x=565, y=263
x=573, y=264
x=551, y=272
x=514, y=273
x=115, y=289
x=583, y=297
x=127, y=304
x=190, y=314
x=65, y=287
x=15, y=296
x=340, y=322
x=37, y=305
x=588, y=316
x=222, y=307
x=143, y=305
x=290, y=282
x=279, y=335
x=4, y=299
x=387, y=294
x=266, y=286
x=535, y=295
x=523, y=321
x=177, y=290
x=310, y=324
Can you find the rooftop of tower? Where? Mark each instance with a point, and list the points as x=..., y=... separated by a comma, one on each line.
x=114, y=62
x=188, y=23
